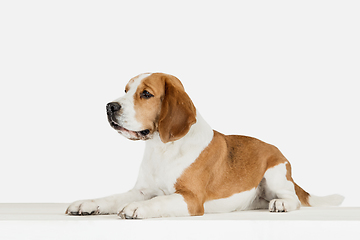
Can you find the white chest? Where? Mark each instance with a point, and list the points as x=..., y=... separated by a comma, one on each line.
x=161, y=167
x=163, y=163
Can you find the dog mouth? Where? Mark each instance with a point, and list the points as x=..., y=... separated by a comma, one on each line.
x=133, y=135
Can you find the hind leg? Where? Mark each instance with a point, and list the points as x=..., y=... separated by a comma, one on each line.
x=279, y=190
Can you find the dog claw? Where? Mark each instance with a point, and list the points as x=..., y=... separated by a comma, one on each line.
x=122, y=215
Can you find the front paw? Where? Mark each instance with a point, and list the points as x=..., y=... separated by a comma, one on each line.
x=135, y=210
x=83, y=208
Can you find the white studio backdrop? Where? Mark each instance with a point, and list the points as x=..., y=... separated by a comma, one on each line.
x=282, y=71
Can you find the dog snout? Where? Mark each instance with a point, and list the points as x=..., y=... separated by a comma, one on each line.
x=113, y=107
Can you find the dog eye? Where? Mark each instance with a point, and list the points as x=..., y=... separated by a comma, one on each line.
x=146, y=95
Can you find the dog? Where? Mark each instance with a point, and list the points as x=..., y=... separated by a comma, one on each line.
x=188, y=168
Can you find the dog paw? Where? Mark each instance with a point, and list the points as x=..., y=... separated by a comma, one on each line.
x=83, y=208
x=283, y=205
x=277, y=205
x=135, y=210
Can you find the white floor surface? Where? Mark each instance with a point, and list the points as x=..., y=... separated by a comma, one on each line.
x=48, y=221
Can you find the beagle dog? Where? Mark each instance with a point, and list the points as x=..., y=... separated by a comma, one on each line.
x=188, y=168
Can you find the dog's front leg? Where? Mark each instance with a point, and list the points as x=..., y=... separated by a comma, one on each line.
x=106, y=205
x=172, y=205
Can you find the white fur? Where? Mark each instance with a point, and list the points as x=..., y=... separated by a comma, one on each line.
x=172, y=205
x=326, y=201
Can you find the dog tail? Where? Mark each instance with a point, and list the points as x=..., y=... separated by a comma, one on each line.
x=309, y=200
x=326, y=201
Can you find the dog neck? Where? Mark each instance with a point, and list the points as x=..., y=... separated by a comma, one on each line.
x=200, y=133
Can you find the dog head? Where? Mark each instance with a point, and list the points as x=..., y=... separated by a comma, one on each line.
x=153, y=103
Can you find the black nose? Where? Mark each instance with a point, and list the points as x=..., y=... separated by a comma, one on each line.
x=113, y=107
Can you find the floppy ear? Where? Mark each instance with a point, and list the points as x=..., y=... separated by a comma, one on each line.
x=177, y=113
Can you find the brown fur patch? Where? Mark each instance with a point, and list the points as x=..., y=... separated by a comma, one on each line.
x=177, y=114
x=148, y=110
x=228, y=165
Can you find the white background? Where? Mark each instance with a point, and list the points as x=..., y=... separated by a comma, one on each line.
x=285, y=72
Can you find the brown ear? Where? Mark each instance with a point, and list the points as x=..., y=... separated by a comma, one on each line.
x=177, y=114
